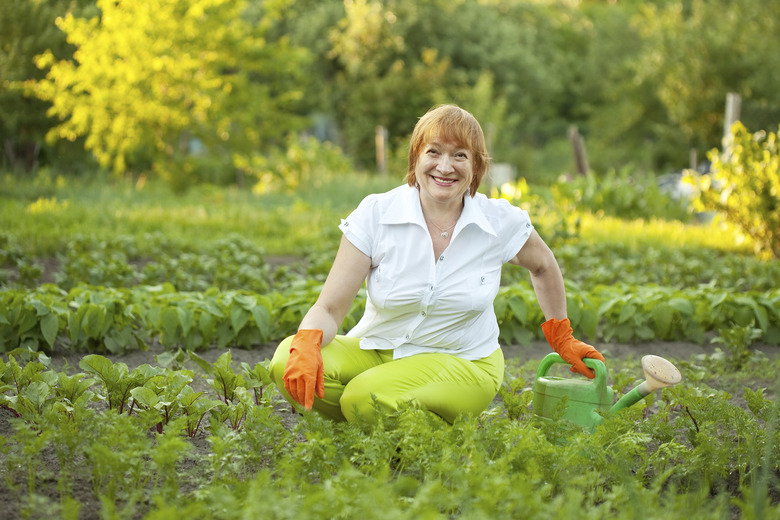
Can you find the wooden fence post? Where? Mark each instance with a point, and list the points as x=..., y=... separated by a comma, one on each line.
x=578, y=147
x=733, y=105
x=381, y=149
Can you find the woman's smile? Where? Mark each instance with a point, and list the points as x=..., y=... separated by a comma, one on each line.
x=444, y=172
x=441, y=181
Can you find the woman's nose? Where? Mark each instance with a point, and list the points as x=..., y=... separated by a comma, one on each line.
x=445, y=164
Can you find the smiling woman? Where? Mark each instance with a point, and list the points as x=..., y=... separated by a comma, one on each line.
x=430, y=253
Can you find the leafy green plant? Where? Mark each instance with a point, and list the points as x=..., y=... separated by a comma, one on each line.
x=230, y=389
x=736, y=341
x=257, y=379
x=29, y=383
x=516, y=398
x=31, y=319
x=102, y=319
x=619, y=193
x=117, y=381
x=195, y=407
x=96, y=262
x=745, y=187
x=161, y=394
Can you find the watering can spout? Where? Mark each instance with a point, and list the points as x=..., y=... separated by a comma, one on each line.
x=659, y=373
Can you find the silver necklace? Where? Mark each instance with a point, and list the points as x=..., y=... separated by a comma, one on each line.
x=444, y=231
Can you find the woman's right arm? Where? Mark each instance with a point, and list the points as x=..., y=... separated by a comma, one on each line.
x=350, y=268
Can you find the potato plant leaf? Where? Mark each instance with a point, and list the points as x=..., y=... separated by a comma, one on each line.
x=49, y=327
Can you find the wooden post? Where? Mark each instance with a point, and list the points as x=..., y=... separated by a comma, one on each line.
x=693, y=159
x=381, y=145
x=733, y=105
x=578, y=147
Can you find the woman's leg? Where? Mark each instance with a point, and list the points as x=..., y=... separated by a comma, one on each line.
x=342, y=359
x=444, y=384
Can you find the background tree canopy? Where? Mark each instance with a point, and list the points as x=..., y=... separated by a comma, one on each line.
x=210, y=89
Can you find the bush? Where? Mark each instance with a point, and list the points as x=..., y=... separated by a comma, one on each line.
x=620, y=194
x=744, y=187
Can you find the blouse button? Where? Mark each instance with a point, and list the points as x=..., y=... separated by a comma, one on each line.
x=482, y=279
x=441, y=258
x=424, y=313
x=407, y=336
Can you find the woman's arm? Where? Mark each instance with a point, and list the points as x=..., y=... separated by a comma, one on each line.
x=349, y=270
x=551, y=294
x=545, y=276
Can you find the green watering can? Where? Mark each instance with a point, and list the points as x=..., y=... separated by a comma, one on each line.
x=589, y=401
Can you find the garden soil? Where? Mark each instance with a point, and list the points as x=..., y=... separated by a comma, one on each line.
x=68, y=361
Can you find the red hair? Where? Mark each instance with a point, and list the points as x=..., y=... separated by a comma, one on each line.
x=452, y=124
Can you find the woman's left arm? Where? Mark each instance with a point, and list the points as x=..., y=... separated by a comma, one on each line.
x=550, y=291
x=546, y=276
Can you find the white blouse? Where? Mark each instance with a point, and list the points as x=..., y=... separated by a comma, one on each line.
x=416, y=304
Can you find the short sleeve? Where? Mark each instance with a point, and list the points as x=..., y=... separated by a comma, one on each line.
x=359, y=227
x=515, y=228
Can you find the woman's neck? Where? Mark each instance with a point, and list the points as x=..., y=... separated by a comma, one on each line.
x=441, y=215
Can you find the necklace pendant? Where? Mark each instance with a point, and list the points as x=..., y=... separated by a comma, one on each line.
x=444, y=234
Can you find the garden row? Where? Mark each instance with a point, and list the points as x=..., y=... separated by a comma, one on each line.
x=693, y=454
x=104, y=319
x=234, y=261
x=30, y=388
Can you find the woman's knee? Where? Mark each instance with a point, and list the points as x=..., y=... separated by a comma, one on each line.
x=360, y=399
x=279, y=361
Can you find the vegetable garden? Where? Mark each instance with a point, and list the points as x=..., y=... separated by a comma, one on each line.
x=135, y=328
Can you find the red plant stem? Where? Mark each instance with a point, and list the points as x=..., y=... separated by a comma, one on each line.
x=11, y=409
x=692, y=418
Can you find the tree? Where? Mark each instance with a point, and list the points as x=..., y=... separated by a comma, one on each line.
x=394, y=60
x=154, y=77
x=696, y=51
x=26, y=30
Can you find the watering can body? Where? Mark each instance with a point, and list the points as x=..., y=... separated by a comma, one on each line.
x=586, y=398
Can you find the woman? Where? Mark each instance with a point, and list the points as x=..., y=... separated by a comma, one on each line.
x=431, y=254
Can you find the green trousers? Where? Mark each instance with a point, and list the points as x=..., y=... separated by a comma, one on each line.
x=354, y=379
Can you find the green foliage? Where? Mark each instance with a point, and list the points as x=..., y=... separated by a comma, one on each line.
x=302, y=162
x=26, y=30
x=149, y=79
x=619, y=194
x=696, y=52
x=745, y=187
x=100, y=319
x=736, y=341
x=202, y=90
x=694, y=451
x=118, y=383
x=149, y=222
x=391, y=61
x=592, y=263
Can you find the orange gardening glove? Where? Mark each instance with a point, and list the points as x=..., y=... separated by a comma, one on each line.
x=303, y=374
x=559, y=336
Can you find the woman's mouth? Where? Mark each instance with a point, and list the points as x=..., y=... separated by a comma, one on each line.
x=441, y=181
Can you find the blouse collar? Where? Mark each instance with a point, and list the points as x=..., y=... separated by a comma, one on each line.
x=406, y=209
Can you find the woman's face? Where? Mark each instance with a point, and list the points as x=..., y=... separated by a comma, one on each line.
x=444, y=171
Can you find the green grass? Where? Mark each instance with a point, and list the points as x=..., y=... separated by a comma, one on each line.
x=45, y=213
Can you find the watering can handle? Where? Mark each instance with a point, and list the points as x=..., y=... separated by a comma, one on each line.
x=594, y=364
